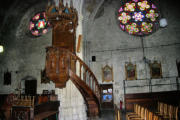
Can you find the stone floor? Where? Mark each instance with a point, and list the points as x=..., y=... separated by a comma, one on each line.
x=107, y=115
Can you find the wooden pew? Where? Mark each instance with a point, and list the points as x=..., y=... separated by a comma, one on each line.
x=24, y=108
x=150, y=100
x=167, y=112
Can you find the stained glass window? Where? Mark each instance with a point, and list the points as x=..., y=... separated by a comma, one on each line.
x=138, y=17
x=38, y=24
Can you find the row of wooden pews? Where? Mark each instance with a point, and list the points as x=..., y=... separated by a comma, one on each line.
x=166, y=111
x=25, y=108
x=163, y=112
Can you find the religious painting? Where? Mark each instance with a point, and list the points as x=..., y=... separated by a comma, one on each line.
x=155, y=70
x=178, y=67
x=130, y=70
x=107, y=74
x=44, y=78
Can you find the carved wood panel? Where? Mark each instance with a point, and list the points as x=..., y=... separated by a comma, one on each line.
x=21, y=113
x=57, y=62
x=63, y=39
x=64, y=20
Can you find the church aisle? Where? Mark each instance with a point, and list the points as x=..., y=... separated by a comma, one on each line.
x=108, y=114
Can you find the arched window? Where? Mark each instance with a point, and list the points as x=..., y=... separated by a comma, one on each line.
x=38, y=24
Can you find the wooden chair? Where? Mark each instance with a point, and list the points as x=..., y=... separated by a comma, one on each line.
x=175, y=113
x=135, y=113
x=170, y=112
x=140, y=114
x=146, y=114
x=155, y=117
x=165, y=111
x=160, y=108
x=150, y=115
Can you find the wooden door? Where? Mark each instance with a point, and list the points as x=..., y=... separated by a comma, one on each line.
x=30, y=87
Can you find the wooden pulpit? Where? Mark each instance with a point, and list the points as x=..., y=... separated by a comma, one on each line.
x=64, y=22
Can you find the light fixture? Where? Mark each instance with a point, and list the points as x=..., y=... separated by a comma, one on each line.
x=1, y=48
x=163, y=22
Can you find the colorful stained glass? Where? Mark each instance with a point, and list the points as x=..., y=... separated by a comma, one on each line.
x=138, y=17
x=41, y=24
x=38, y=24
x=152, y=15
x=130, y=7
x=31, y=26
x=124, y=17
x=120, y=9
x=132, y=29
x=143, y=5
x=135, y=0
x=146, y=27
x=122, y=27
x=36, y=17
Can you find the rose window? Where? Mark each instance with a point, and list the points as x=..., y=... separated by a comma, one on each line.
x=138, y=17
x=38, y=24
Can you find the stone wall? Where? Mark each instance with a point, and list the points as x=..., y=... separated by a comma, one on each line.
x=112, y=46
x=24, y=56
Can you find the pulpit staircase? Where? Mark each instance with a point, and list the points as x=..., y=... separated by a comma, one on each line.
x=59, y=60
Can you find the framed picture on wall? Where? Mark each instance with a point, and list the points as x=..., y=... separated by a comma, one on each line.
x=130, y=71
x=155, y=70
x=107, y=74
